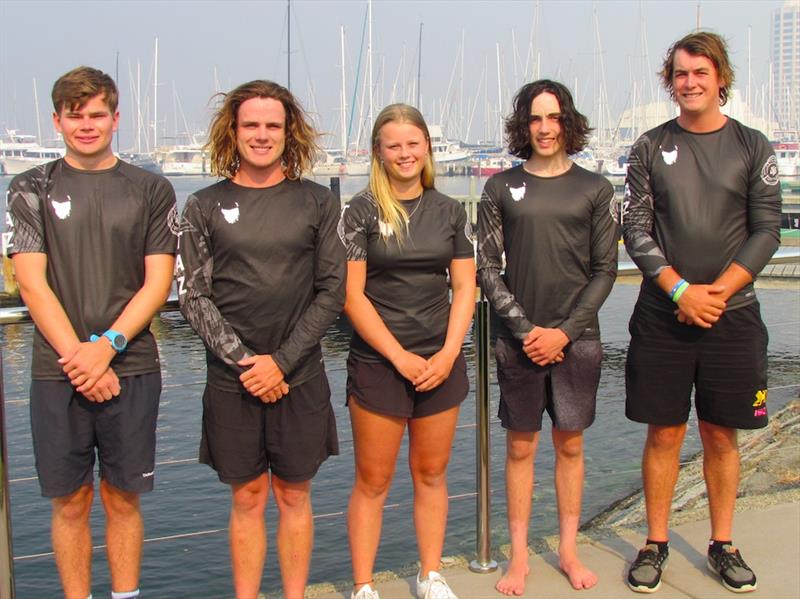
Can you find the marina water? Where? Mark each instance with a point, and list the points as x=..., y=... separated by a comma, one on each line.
x=186, y=516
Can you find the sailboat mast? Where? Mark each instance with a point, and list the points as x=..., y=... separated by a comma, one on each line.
x=38, y=116
x=155, y=100
x=288, y=45
x=369, y=59
x=419, y=68
x=343, y=96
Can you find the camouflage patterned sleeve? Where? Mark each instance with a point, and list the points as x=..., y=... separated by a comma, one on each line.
x=353, y=224
x=193, y=268
x=24, y=225
x=763, y=208
x=637, y=213
x=490, y=263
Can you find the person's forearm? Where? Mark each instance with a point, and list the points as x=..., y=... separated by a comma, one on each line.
x=141, y=308
x=461, y=310
x=49, y=317
x=734, y=278
x=370, y=327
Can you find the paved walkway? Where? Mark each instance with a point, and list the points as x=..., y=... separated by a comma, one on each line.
x=769, y=539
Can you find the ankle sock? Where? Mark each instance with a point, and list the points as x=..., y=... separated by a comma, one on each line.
x=663, y=546
x=125, y=594
x=715, y=546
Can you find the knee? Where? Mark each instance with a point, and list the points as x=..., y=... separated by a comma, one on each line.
x=718, y=440
x=570, y=448
x=520, y=450
x=75, y=506
x=117, y=502
x=430, y=473
x=665, y=438
x=373, y=482
x=291, y=496
x=250, y=496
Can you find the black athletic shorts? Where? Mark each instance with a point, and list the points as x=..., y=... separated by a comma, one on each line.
x=244, y=437
x=66, y=428
x=567, y=390
x=726, y=364
x=378, y=387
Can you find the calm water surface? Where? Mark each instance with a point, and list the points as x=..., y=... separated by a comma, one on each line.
x=186, y=553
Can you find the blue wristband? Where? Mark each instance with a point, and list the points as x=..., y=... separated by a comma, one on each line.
x=679, y=291
x=674, y=289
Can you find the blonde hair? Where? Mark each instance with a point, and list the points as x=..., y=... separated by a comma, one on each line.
x=301, y=138
x=390, y=209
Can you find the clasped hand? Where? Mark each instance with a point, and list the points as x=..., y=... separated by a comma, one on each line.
x=88, y=370
x=264, y=378
x=545, y=346
x=424, y=374
x=701, y=305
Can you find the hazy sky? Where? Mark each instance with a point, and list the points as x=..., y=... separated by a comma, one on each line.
x=243, y=40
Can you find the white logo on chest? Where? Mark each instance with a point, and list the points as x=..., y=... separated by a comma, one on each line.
x=385, y=228
x=670, y=157
x=517, y=193
x=231, y=214
x=62, y=209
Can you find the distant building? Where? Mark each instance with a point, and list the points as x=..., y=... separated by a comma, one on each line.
x=786, y=68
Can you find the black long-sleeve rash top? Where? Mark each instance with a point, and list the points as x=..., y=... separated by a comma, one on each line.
x=261, y=271
x=560, y=245
x=699, y=201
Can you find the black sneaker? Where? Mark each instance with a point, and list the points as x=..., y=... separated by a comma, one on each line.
x=736, y=575
x=644, y=575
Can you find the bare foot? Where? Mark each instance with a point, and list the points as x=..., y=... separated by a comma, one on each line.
x=513, y=581
x=580, y=577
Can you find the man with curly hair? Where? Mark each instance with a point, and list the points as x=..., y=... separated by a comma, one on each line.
x=702, y=219
x=260, y=276
x=551, y=219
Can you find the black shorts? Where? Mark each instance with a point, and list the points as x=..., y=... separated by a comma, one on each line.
x=66, y=428
x=726, y=364
x=244, y=437
x=567, y=390
x=379, y=388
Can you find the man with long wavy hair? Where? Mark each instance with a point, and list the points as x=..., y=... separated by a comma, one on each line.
x=261, y=278
x=702, y=219
x=550, y=218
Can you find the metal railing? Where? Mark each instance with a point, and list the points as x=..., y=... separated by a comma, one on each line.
x=482, y=562
x=6, y=553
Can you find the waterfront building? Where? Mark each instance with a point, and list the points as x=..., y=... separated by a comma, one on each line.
x=785, y=31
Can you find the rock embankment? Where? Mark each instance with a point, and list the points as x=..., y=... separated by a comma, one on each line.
x=770, y=474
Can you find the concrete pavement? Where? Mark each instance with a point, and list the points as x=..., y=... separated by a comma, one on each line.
x=769, y=539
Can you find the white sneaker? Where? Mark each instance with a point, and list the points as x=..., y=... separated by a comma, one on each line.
x=365, y=592
x=434, y=587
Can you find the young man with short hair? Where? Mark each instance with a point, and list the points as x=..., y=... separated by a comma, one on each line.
x=702, y=219
x=93, y=242
x=551, y=219
x=261, y=274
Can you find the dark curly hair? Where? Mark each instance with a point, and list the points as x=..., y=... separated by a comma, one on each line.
x=574, y=126
x=701, y=43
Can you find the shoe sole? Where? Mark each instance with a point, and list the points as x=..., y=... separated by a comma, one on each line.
x=644, y=589
x=746, y=588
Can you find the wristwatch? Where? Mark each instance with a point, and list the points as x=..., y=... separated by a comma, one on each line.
x=118, y=341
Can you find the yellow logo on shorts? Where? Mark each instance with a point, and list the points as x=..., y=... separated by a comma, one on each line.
x=761, y=398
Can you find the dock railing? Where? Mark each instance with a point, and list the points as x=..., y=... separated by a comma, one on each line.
x=482, y=561
x=6, y=552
